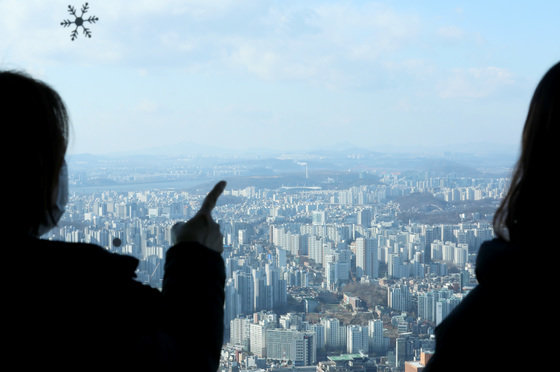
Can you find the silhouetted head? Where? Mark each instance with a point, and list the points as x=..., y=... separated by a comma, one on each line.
x=527, y=212
x=35, y=123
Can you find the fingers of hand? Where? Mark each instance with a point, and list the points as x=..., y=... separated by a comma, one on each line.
x=212, y=197
x=202, y=228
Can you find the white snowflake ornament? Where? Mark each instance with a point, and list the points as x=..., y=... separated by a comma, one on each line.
x=79, y=21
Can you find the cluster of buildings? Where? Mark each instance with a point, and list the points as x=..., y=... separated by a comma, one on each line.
x=290, y=338
x=285, y=246
x=265, y=340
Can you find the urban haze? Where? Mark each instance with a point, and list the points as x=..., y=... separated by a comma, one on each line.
x=334, y=259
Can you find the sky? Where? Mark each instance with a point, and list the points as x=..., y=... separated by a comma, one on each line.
x=288, y=75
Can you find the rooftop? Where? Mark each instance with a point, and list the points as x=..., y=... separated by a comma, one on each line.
x=345, y=357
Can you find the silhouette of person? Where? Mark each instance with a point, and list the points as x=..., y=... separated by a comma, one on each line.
x=502, y=324
x=77, y=306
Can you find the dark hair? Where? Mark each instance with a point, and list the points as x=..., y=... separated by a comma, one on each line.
x=35, y=122
x=521, y=215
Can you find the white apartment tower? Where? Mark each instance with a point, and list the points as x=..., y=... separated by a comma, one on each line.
x=335, y=333
x=376, y=338
x=357, y=339
x=366, y=258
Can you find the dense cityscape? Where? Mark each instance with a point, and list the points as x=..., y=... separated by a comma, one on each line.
x=372, y=151
x=349, y=270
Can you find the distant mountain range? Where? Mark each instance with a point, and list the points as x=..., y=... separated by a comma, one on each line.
x=341, y=148
x=469, y=164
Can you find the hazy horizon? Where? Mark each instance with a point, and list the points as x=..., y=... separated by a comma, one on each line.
x=197, y=149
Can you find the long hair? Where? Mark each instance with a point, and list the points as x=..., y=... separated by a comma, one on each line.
x=35, y=125
x=533, y=190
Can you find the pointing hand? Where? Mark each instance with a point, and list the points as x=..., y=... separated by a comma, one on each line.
x=202, y=228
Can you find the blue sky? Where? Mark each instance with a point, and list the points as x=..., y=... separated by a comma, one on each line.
x=288, y=75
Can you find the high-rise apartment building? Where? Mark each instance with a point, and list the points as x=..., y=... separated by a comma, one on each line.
x=434, y=306
x=244, y=286
x=399, y=298
x=357, y=339
x=364, y=217
x=257, y=336
x=232, y=302
x=291, y=345
x=259, y=289
x=404, y=350
x=337, y=267
x=376, y=336
x=366, y=258
x=335, y=333
x=315, y=249
x=319, y=331
x=240, y=329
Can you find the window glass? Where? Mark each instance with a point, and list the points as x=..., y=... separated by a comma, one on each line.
x=366, y=147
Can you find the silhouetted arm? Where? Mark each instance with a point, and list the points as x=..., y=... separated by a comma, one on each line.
x=193, y=291
x=193, y=288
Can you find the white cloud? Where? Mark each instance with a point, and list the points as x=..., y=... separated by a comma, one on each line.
x=474, y=82
x=377, y=60
x=327, y=43
x=201, y=9
x=263, y=63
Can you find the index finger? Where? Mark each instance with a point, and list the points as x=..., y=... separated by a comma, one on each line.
x=210, y=201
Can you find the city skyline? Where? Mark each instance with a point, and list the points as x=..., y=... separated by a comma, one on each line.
x=367, y=148
x=288, y=76
x=314, y=275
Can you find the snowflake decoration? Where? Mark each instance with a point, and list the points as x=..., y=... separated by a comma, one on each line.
x=79, y=21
